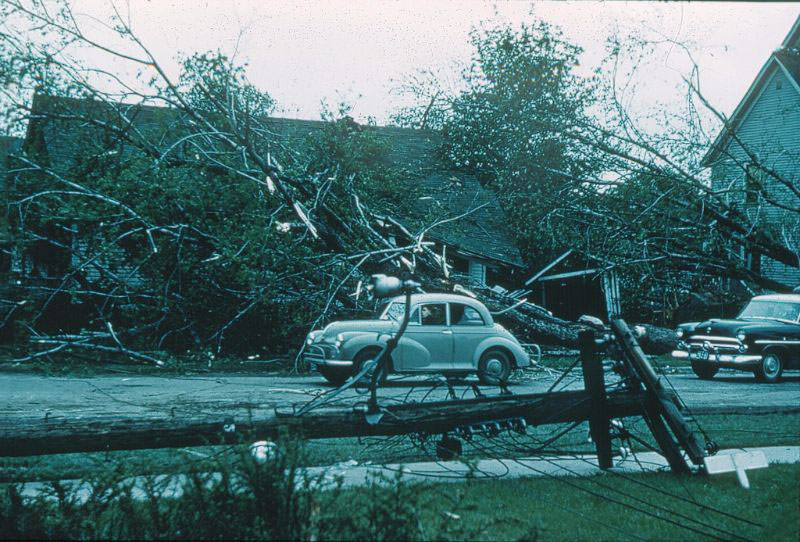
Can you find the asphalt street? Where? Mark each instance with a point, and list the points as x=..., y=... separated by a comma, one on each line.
x=33, y=396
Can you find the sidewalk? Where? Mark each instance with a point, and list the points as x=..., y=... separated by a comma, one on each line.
x=354, y=475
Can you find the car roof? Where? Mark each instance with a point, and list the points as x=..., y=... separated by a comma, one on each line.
x=441, y=297
x=791, y=298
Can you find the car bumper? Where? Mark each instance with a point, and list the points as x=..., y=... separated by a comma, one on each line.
x=722, y=360
x=317, y=356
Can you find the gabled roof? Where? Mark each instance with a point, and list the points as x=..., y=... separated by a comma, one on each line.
x=441, y=192
x=786, y=59
x=8, y=145
x=789, y=60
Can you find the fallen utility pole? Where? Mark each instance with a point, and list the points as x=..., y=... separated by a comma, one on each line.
x=25, y=436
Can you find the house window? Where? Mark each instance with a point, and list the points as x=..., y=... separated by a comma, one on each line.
x=754, y=260
x=477, y=273
x=460, y=265
x=753, y=183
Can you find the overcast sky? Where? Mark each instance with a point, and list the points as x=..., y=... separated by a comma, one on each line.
x=356, y=51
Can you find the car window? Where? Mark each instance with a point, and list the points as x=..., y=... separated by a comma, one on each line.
x=434, y=314
x=763, y=309
x=395, y=311
x=464, y=315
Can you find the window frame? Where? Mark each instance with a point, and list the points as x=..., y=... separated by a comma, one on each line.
x=466, y=306
x=446, y=312
x=753, y=183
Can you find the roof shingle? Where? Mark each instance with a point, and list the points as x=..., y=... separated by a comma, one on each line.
x=442, y=192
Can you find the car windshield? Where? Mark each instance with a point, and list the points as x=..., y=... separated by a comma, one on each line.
x=771, y=310
x=394, y=311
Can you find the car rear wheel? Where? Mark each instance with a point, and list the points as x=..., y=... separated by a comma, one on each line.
x=770, y=368
x=494, y=367
x=704, y=372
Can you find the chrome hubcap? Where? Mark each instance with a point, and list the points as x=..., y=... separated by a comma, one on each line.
x=771, y=365
x=494, y=367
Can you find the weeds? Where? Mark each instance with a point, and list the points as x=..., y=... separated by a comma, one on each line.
x=243, y=499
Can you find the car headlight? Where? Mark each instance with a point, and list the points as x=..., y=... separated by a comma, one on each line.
x=339, y=340
x=680, y=333
x=741, y=336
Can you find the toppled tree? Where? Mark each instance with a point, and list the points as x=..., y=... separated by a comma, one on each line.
x=175, y=213
x=577, y=167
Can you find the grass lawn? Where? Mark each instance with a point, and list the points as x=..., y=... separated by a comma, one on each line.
x=608, y=506
x=582, y=509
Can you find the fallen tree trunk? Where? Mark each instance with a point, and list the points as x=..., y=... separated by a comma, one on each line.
x=532, y=323
x=26, y=436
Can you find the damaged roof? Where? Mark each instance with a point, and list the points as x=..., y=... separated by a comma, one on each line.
x=442, y=193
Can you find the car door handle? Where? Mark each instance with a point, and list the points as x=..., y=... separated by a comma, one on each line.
x=447, y=331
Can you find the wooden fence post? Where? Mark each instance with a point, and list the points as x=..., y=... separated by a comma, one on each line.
x=594, y=381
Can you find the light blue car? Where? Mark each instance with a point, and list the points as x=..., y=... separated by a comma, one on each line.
x=447, y=333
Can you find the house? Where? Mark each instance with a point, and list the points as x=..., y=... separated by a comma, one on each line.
x=8, y=146
x=756, y=156
x=573, y=285
x=479, y=244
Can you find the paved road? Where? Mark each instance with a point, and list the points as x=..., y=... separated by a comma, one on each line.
x=34, y=396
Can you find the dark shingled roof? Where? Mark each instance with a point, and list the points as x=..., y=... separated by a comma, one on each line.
x=8, y=145
x=442, y=192
x=790, y=58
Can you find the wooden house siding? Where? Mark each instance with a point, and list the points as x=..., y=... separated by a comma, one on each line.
x=771, y=130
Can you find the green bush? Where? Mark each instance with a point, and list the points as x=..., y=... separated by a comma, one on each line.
x=244, y=499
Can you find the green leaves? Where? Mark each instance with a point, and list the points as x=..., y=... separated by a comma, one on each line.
x=508, y=127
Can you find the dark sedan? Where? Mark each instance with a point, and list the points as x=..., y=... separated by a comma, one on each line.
x=763, y=339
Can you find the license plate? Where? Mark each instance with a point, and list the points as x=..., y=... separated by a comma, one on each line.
x=700, y=355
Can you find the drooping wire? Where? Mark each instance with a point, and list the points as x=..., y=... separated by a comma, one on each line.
x=659, y=490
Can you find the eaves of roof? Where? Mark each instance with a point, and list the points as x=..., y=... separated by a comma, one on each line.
x=780, y=59
x=741, y=111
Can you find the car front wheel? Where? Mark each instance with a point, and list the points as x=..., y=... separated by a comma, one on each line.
x=704, y=372
x=364, y=356
x=770, y=368
x=494, y=367
x=334, y=375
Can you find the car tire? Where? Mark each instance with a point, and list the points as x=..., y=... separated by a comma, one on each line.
x=770, y=369
x=334, y=375
x=365, y=355
x=494, y=367
x=704, y=372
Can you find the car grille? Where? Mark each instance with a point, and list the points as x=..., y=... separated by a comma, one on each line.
x=321, y=352
x=713, y=343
